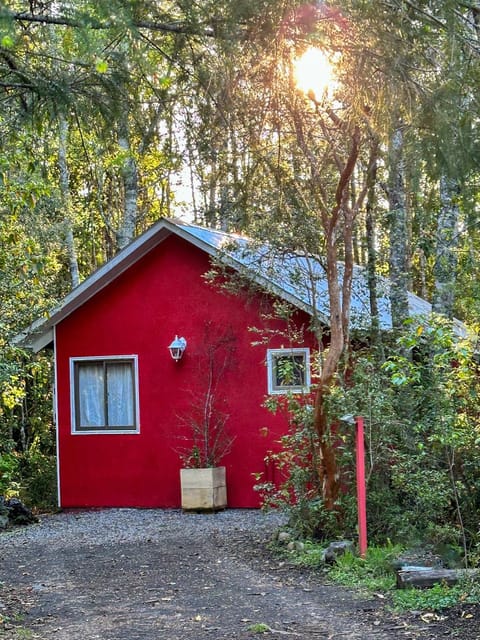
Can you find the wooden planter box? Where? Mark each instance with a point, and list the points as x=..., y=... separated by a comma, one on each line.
x=203, y=489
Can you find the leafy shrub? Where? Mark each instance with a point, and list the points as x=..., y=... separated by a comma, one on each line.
x=9, y=474
x=39, y=488
x=27, y=437
x=298, y=492
x=421, y=406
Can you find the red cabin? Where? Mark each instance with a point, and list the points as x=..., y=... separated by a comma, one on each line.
x=123, y=402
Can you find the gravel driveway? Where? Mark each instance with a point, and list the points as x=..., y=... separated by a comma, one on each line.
x=126, y=574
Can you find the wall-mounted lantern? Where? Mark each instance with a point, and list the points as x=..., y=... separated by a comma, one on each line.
x=177, y=348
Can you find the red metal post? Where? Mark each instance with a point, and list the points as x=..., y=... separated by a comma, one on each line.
x=361, y=487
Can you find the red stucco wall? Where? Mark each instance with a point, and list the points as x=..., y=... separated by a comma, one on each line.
x=140, y=313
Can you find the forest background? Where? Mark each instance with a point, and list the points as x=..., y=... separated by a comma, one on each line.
x=117, y=113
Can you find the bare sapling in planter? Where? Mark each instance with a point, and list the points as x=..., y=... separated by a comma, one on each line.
x=207, y=440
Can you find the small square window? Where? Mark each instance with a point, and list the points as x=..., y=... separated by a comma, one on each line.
x=104, y=395
x=288, y=370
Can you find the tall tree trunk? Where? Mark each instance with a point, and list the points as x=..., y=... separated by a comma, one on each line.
x=126, y=231
x=446, y=240
x=66, y=198
x=356, y=243
x=398, y=229
x=339, y=297
x=370, y=238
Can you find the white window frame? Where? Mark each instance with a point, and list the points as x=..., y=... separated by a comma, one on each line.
x=104, y=430
x=272, y=354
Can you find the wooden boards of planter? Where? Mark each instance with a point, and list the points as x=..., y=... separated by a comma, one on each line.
x=203, y=489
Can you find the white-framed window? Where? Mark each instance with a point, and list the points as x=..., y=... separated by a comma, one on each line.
x=104, y=394
x=288, y=370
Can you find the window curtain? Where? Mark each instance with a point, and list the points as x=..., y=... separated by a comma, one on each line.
x=106, y=395
x=120, y=399
x=91, y=386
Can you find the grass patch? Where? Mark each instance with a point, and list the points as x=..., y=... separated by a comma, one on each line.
x=438, y=597
x=311, y=556
x=375, y=574
x=372, y=574
x=259, y=627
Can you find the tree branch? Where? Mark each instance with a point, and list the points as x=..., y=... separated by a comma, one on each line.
x=91, y=23
x=349, y=166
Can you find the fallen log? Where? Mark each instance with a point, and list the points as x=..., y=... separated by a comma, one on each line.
x=424, y=577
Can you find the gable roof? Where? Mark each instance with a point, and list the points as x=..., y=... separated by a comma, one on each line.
x=297, y=279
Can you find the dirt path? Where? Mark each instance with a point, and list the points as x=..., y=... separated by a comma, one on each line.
x=184, y=582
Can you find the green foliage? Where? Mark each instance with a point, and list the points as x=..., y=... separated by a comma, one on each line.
x=27, y=439
x=259, y=627
x=435, y=470
x=31, y=476
x=422, y=434
x=311, y=556
x=372, y=573
x=438, y=597
x=375, y=574
x=423, y=469
x=297, y=461
x=9, y=473
x=39, y=479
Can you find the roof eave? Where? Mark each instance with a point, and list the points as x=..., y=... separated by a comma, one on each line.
x=40, y=333
x=43, y=341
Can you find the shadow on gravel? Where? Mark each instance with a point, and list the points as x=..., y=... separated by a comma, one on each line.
x=125, y=574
